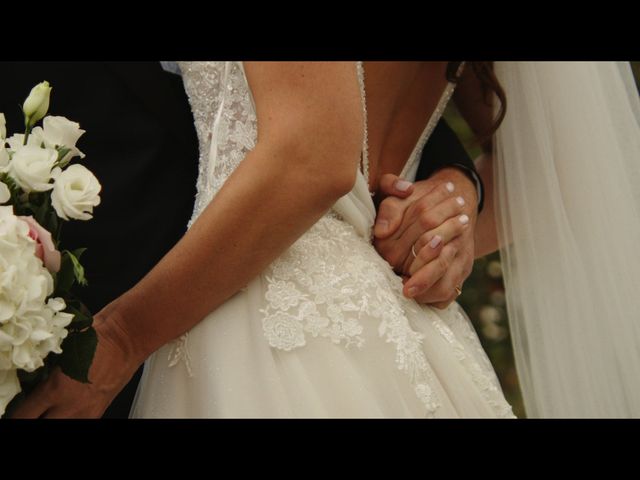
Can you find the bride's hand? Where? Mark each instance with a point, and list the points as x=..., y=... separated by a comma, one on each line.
x=61, y=397
x=429, y=213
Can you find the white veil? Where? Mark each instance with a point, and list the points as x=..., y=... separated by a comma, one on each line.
x=567, y=176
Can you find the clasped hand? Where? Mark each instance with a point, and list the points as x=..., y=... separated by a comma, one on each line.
x=426, y=233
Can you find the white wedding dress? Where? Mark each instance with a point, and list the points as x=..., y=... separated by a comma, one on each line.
x=324, y=331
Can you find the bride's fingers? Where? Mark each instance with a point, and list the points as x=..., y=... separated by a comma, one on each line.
x=389, y=217
x=443, y=292
x=429, y=275
x=392, y=208
x=427, y=247
x=67, y=412
x=391, y=184
x=34, y=406
x=56, y=413
x=396, y=216
x=426, y=212
x=430, y=223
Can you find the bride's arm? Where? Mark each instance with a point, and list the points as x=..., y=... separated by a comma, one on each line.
x=310, y=137
x=470, y=101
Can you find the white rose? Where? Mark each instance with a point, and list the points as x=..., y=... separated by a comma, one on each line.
x=31, y=168
x=3, y=127
x=31, y=326
x=59, y=131
x=9, y=388
x=37, y=103
x=4, y=159
x=16, y=141
x=5, y=194
x=75, y=192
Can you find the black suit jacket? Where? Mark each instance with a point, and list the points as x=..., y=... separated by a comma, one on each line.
x=142, y=146
x=443, y=149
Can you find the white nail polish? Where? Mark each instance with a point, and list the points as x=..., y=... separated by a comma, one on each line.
x=403, y=185
x=460, y=201
x=464, y=219
x=382, y=225
x=435, y=241
x=450, y=187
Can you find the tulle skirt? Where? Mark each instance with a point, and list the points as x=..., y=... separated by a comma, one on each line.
x=259, y=355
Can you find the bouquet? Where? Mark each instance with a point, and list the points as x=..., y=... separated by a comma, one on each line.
x=42, y=324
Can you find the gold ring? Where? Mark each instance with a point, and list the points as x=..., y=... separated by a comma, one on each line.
x=413, y=250
x=458, y=291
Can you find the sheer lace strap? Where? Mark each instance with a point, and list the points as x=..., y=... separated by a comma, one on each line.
x=246, y=81
x=412, y=162
x=365, y=139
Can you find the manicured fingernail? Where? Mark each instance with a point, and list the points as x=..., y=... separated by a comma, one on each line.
x=402, y=185
x=464, y=219
x=460, y=201
x=450, y=187
x=412, y=291
x=382, y=226
x=435, y=241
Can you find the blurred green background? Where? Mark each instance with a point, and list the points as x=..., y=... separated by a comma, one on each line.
x=483, y=296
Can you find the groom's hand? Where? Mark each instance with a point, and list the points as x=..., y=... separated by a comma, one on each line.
x=429, y=213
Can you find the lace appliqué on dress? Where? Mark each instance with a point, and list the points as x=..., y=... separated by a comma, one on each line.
x=319, y=288
x=226, y=125
x=225, y=122
x=482, y=375
x=179, y=351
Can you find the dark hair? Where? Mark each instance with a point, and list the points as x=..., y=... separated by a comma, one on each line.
x=490, y=85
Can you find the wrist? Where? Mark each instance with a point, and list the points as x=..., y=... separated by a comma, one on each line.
x=111, y=325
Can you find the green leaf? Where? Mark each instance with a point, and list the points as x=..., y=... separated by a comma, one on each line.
x=78, y=350
x=78, y=252
x=11, y=183
x=65, y=278
x=78, y=269
x=40, y=205
x=14, y=189
x=32, y=378
x=82, y=317
x=62, y=152
x=53, y=226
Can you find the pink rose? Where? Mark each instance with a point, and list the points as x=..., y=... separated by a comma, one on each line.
x=45, y=249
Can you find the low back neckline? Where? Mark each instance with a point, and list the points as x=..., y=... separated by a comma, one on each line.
x=412, y=160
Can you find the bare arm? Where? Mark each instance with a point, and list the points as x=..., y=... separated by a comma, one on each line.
x=306, y=157
x=310, y=137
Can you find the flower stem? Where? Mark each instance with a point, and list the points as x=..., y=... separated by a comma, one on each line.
x=27, y=131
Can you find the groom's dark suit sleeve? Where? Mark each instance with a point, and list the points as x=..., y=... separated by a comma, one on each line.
x=444, y=149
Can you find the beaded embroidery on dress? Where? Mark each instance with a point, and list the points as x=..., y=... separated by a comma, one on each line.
x=329, y=293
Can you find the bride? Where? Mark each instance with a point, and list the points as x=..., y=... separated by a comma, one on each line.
x=275, y=303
